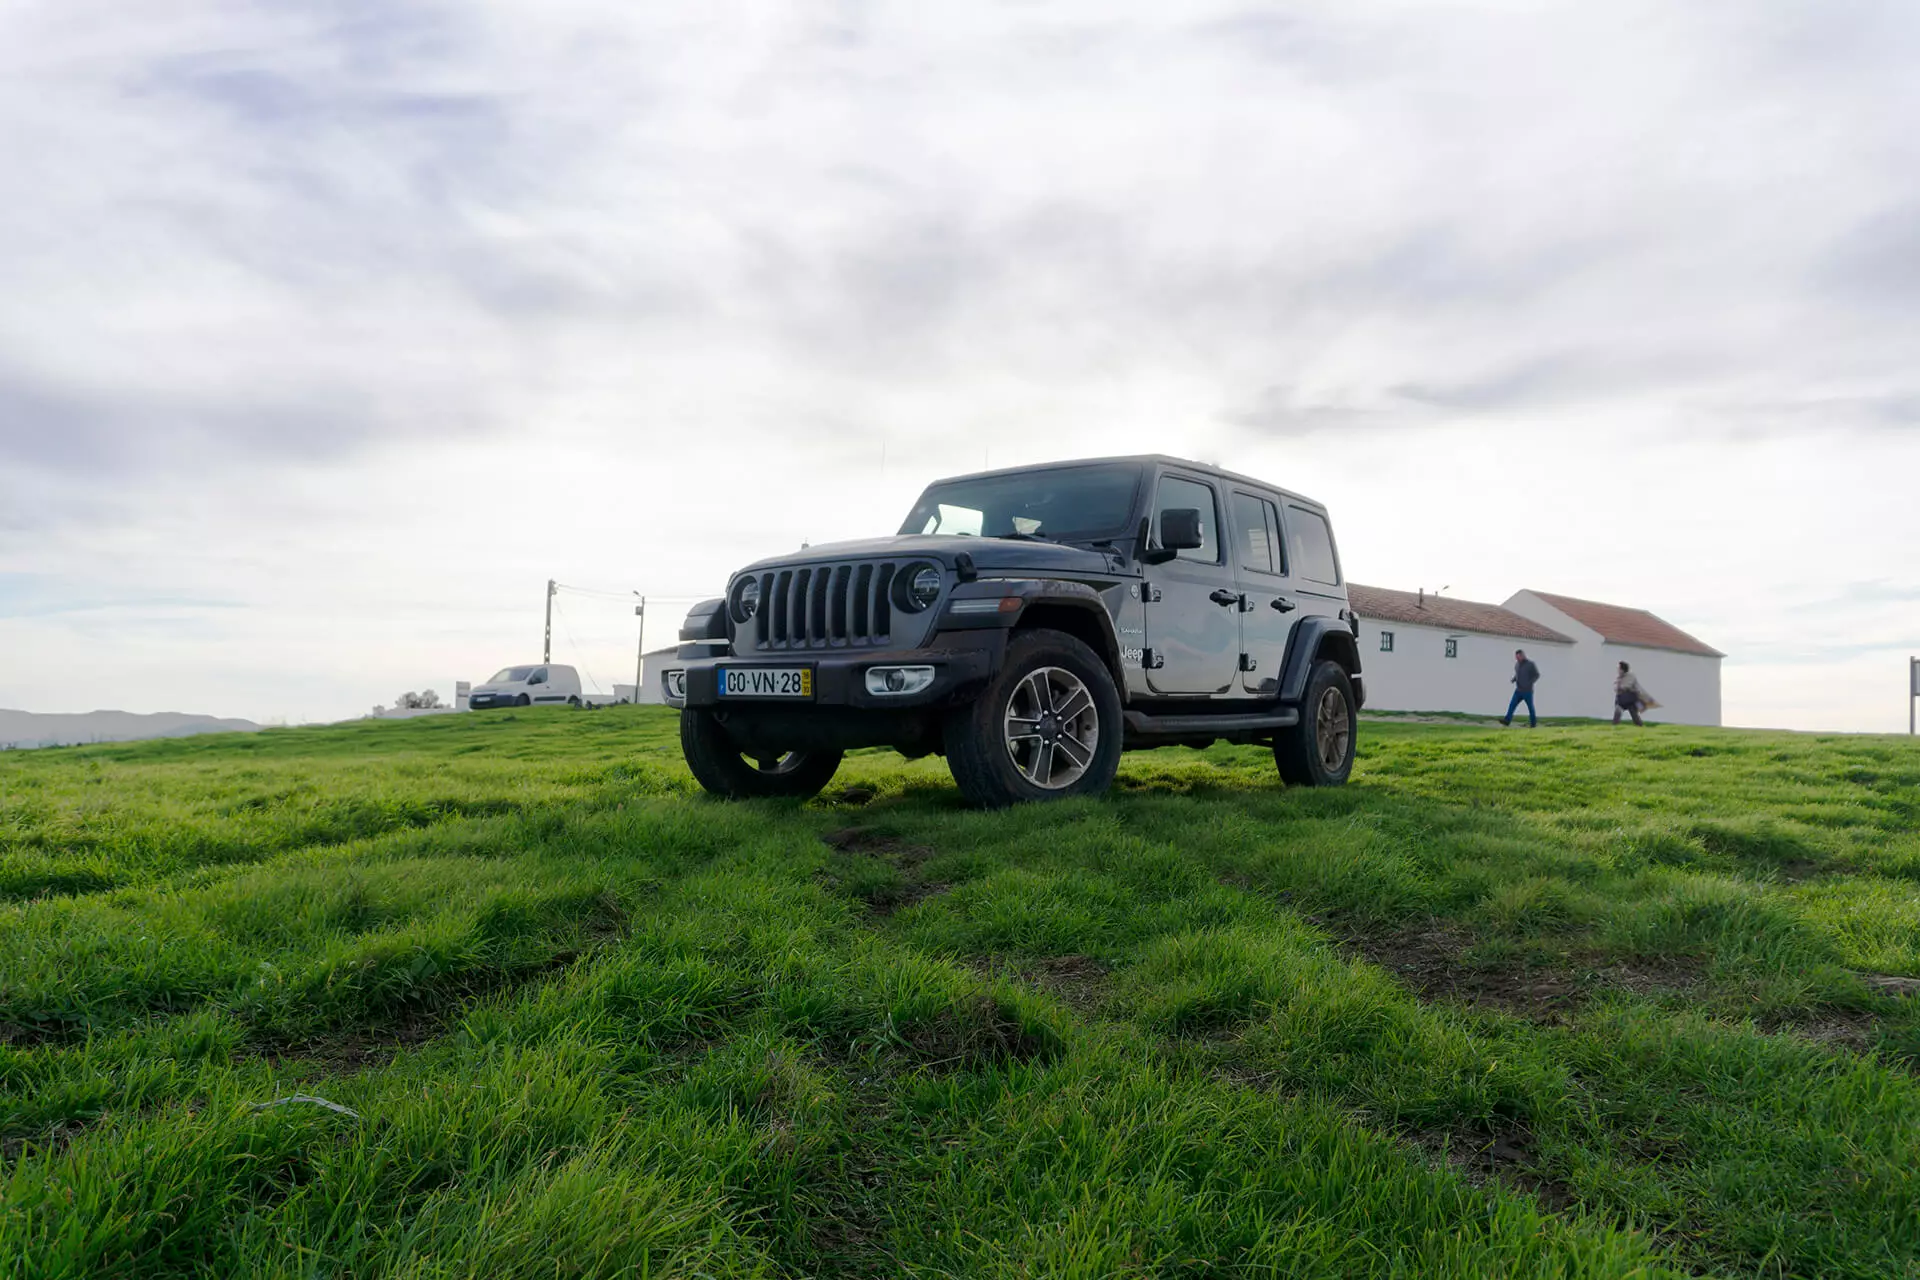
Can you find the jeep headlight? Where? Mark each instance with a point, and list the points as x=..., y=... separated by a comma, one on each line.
x=917, y=587
x=746, y=599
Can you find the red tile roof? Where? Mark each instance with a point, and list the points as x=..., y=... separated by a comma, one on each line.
x=1384, y=605
x=1620, y=625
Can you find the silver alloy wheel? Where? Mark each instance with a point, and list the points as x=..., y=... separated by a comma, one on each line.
x=1331, y=730
x=1052, y=728
x=785, y=762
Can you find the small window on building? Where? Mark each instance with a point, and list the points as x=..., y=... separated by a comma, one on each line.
x=1453, y=648
x=1386, y=642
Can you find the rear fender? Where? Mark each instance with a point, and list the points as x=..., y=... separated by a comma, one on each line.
x=1315, y=638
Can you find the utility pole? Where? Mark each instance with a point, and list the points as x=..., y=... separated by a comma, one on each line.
x=1913, y=691
x=546, y=643
x=640, y=658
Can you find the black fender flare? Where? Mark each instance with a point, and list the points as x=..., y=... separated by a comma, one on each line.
x=1041, y=596
x=1313, y=638
x=705, y=622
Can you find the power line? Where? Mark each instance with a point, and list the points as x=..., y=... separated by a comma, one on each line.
x=580, y=650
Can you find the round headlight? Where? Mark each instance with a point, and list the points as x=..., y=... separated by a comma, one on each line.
x=746, y=599
x=924, y=588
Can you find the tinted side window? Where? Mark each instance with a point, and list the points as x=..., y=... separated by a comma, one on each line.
x=1258, y=523
x=1312, y=546
x=538, y=677
x=1177, y=494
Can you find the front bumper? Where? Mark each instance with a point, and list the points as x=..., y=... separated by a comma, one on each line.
x=839, y=679
x=482, y=701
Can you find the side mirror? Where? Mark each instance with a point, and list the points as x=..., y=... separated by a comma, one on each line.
x=1179, y=531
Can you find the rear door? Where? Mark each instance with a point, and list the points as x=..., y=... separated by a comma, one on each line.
x=1193, y=618
x=1271, y=603
x=1314, y=561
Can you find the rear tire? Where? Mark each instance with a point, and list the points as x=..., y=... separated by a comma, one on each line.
x=721, y=767
x=1046, y=727
x=1318, y=752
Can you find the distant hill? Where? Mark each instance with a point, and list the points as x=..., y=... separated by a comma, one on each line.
x=29, y=729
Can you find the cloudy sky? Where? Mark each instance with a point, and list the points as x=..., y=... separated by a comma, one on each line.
x=330, y=331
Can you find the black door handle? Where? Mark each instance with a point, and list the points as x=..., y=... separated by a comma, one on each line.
x=1284, y=605
x=1224, y=596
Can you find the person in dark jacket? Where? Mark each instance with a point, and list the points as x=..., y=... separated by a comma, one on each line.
x=1525, y=676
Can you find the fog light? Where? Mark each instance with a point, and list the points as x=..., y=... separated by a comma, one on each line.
x=897, y=681
x=674, y=685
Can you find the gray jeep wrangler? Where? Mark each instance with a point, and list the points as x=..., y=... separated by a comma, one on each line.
x=1030, y=625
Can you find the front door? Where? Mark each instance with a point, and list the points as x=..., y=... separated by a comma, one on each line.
x=1193, y=614
x=1272, y=604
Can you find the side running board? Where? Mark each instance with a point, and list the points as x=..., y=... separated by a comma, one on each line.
x=1149, y=726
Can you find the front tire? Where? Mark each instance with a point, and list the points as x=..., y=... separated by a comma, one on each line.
x=1047, y=726
x=523, y=701
x=1318, y=752
x=721, y=767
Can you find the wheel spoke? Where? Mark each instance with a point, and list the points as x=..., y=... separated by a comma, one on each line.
x=1076, y=751
x=1042, y=692
x=1043, y=764
x=1074, y=703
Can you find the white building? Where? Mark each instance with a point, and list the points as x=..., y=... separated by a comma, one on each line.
x=1680, y=672
x=1431, y=653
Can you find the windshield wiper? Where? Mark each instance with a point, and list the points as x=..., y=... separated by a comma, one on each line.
x=1017, y=536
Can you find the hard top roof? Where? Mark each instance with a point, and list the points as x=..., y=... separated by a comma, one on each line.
x=1141, y=459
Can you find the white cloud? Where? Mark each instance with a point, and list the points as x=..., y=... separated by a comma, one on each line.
x=364, y=320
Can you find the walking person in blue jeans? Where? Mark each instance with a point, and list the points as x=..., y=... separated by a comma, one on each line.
x=1525, y=676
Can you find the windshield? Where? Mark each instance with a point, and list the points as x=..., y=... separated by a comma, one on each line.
x=510, y=675
x=1063, y=504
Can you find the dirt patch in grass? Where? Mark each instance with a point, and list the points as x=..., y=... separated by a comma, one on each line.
x=344, y=1052
x=903, y=856
x=1429, y=958
x=49, y=1141
x=353, y=1051
x=1842, y=1030
x=884, y=902
x=866, y=840
x=26, y=1037
x=1505, y=1155
x=1079, y=982
x=978, y=1032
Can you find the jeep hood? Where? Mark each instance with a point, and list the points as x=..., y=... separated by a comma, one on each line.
x=991, y=556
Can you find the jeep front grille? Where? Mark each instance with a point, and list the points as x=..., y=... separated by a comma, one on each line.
x=825, y=606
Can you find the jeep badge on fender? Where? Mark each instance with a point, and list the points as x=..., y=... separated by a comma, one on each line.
x=1030, y=625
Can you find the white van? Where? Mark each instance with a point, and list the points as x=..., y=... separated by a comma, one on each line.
x=523, y=686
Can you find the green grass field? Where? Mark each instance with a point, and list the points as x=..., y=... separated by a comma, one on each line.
x=1577, y=1001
